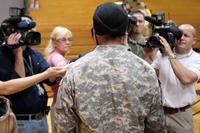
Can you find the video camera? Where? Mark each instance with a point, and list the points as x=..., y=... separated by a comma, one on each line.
x=19, y=25
x=167, y=30
x=132, y=20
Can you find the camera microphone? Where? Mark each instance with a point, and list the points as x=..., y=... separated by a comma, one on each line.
x=132, y=19
x=152, y=21
x=24, y=24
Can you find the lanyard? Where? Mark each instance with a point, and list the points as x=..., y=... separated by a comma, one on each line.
x=30, y=68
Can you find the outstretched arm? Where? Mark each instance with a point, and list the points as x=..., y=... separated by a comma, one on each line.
x=16, y=85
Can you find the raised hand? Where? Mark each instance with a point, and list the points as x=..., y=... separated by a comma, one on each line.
x=56, y=72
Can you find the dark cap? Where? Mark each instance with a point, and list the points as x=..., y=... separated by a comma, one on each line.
x=111, y=19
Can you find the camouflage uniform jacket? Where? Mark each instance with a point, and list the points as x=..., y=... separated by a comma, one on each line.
x=136, y=46
x=109, y=90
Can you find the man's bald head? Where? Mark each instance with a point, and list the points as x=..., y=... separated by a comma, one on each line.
x=189, y=27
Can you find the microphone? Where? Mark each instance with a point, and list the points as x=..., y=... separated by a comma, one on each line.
x=152, y=21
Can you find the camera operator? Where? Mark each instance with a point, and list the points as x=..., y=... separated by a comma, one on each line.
x=178, y=71
x=136, y=40
x=30, y=105
x=17, y=85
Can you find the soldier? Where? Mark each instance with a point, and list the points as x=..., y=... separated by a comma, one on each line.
x=109, y=89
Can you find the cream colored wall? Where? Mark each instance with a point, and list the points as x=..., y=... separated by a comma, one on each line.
x=6, y=4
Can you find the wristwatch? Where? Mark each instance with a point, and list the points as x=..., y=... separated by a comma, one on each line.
x=171, y=56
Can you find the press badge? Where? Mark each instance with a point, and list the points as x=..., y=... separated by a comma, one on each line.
x=40, y=89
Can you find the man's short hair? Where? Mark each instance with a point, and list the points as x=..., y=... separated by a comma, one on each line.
x=137, y=12
x=110, y=19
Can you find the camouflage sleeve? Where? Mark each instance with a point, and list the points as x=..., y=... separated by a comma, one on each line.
x=155, y=120
x=65, y=118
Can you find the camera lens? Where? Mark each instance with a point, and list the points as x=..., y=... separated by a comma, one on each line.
x=30, y=38
x=33, y=38
x=154, y=42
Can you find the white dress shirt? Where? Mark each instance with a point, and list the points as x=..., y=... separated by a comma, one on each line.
x=175, y=94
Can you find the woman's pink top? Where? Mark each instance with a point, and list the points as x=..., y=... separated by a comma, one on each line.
x=56, y=59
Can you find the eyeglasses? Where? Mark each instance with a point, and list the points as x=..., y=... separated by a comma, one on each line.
x=64, y=39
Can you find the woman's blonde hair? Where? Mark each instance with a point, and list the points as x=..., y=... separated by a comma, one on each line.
x=58, y=32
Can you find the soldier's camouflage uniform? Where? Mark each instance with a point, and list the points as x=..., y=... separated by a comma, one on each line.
x=109, y=90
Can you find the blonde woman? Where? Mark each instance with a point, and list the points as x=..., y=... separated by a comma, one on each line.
x=59, y=45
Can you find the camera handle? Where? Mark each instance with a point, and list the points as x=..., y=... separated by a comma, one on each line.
x=171, y=40
x=13, y=46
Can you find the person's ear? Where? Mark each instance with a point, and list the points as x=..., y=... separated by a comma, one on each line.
x=194, y=41
x=92, y=33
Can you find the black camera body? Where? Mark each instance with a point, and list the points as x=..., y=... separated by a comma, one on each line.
x=19, y=25
x=132, y=20
x=167, y=30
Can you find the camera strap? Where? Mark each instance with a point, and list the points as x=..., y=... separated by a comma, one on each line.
x=13, y=46
x=30, y=68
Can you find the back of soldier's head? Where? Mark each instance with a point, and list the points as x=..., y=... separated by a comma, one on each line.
x=110, y=19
